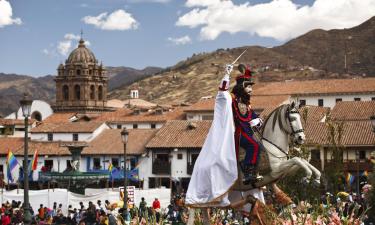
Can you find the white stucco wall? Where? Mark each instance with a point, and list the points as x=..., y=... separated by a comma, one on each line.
x=200, y=116
x=330, y=101
x=140, y=125
x=38, y=106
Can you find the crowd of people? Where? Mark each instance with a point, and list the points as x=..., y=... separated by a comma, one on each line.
x=340, y=208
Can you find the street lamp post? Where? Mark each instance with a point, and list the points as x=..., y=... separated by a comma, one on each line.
x=124, y=136
x=357, y=159
x=26, y=110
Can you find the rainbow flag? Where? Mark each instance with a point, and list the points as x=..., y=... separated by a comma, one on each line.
x=11, y=163
x=34, y=162
x=349, y=178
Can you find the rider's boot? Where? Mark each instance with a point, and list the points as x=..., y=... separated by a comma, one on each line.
x=250, y=175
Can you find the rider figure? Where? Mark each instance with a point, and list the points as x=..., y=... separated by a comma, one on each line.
x=245, y=120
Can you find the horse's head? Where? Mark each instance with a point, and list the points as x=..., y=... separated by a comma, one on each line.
x=295, y=123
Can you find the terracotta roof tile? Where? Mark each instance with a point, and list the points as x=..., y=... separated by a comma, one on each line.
x=110, y=142
x=126, y=115
x=67, y=127
x=10, y=143
x=313, y=113
x=355, y=133
x=59, y=117
x=316, y=87
x=257, y=103
x=176, y=134
x=12, y=122
x=353, y=110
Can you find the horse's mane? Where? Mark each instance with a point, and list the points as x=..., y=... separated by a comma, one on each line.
x=278, y=116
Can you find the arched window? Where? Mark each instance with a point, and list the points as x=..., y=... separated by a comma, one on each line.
x=37, y=116
x=78, y=72
x=92, y=92
x=65, y=91
x=77, y=91
x=100, y=94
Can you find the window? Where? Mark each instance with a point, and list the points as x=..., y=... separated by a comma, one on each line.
x=68, y=165
x=75, y=137
x=97, y=165
x=373, y=99
x=362, y=155
x=92, y=92
x=100, y=94
x=179, y=156
x=115, y=162
x=320, y=102
x=1, y=169
x=315, y=155
x=65, y=92
x=302, y=102
x=48, y=164
x=153, y=126
x=357, y=99
x=135, y=126
x=77, y=91
x=78, y=72
x=119, y=126
x=207, y=117
x=50, y=137
x=338, y=100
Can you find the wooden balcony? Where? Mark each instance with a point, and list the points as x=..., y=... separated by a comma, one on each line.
x=161, y=167
x=350, y=165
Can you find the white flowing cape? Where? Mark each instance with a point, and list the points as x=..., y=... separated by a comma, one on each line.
x=215, y=170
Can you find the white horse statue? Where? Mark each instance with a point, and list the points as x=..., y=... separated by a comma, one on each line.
x=284, y=122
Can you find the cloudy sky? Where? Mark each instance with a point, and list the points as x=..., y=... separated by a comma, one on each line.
x=37, y=35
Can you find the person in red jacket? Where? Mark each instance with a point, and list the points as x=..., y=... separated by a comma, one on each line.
x=156, y=207
x=5, y=218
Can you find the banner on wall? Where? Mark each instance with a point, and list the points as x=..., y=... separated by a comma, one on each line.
x=131, y=199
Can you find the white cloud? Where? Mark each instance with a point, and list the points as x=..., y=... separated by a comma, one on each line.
x=180, y=41
x=65, y=46
x=6, y=14
x=118, y=20
x=279, y=19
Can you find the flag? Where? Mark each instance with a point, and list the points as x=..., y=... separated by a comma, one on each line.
x=11, y=163
x=349, y=178
x=110, y=167
x=133, y=174
x=34, y=162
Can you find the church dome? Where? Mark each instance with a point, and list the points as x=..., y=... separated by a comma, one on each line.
x=81, y=55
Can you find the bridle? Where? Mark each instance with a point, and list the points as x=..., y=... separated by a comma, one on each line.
x=288, y=113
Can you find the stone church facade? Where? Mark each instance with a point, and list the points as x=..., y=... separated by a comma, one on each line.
x=81, y=84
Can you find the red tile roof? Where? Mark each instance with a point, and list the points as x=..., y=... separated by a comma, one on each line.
x=355, y=133
x=67, y=127
x=257, y=102
x=177, y=134
x=126, y=115
x=316, y=87
x=353, y=110
x=59, y=117
x=12, y=122
x=110, y=142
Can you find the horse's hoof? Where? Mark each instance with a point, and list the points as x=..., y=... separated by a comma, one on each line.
x=316, y=183
x=305, y=181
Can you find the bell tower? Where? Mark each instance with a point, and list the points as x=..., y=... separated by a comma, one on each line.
x=81, y=83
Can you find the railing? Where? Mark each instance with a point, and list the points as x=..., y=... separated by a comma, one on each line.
x=161, y=167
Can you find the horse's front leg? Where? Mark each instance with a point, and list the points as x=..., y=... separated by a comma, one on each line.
x=286, y=167
x=316, y=172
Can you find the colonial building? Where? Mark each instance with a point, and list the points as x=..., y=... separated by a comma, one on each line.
x=81, y=83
